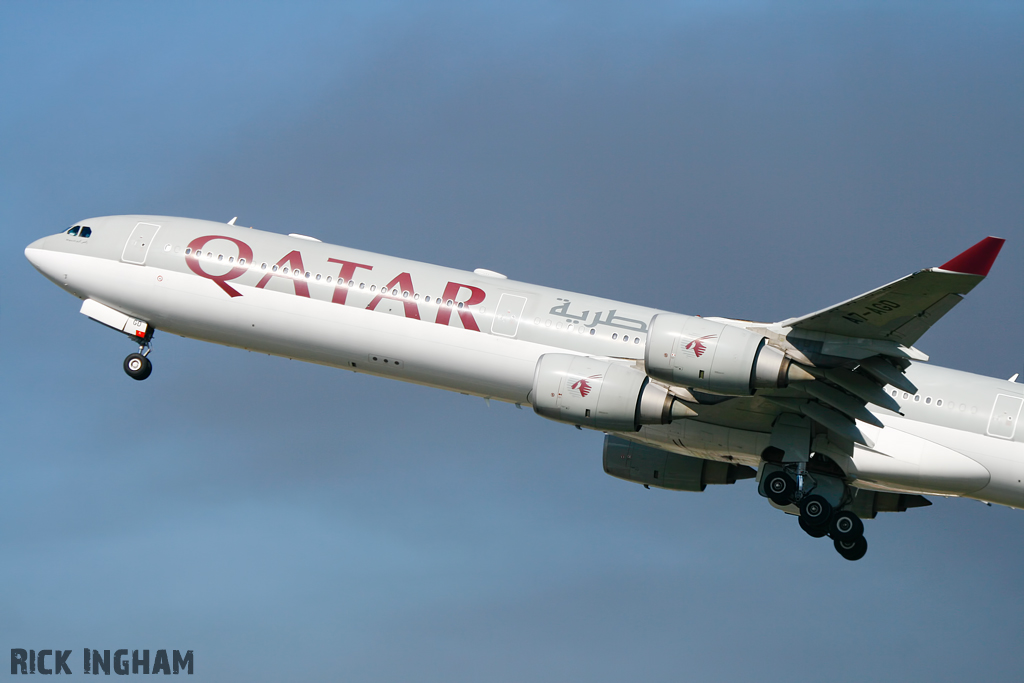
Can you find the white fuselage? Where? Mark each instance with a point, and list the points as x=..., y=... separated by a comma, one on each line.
x=479, y=333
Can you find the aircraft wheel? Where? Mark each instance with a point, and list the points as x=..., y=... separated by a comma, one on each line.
x=813, y=531
x=780, y=488
x=846, y=527
x=852, y=550
x=816, y=511
x=138, y=366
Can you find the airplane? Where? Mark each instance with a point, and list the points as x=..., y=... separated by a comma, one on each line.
x=835, y=414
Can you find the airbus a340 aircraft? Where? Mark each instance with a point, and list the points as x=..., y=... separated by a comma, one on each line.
x=835, y=413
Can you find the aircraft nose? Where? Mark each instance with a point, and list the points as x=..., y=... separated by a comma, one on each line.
x=33, y=252
x=41, y=258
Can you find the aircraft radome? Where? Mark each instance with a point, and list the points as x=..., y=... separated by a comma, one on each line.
x=835, y=413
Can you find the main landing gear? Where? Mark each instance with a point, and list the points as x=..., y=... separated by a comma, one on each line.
x=137, y=365
x=820, y=499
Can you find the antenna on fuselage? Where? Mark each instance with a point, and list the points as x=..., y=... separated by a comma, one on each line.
x=232, y=221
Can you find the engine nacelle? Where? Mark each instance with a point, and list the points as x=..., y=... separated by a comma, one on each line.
x=654, y=467
x=600, y=394
x=709, y=355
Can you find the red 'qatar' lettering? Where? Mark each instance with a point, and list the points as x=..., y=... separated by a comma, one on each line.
x=451, y=292
x=348, y=269
x=293, y=260
x=244, y=252
x=404, y=282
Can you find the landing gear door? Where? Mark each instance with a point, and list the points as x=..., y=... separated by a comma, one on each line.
x=137, y=246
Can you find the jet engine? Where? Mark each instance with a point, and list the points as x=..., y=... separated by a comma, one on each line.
x=600, y=394
x=715, y=357
x=654, y=467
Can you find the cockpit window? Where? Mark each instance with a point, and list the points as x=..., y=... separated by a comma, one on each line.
x=73, y=231
x=86, y=232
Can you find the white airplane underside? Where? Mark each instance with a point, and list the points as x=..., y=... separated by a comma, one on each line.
x=835, y=413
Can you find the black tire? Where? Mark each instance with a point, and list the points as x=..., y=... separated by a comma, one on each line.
x=137, y=366
x=813, y=531
x=780, y=488
x=852, y=550
x=846, y=527
x=816, y=511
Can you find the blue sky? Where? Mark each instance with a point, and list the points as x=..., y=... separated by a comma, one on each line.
x=287, y=521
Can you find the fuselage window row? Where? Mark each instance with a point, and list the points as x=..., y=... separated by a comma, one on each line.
x=284, y=270
x=938, y=402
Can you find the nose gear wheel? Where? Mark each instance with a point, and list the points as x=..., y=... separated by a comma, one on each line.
x=137, y=366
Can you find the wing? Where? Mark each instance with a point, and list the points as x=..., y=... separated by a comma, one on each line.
x=903, y=310
x=853, y=350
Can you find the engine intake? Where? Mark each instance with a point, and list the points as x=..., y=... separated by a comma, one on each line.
x=654, y=467
x=600, y=394
x=713, y=356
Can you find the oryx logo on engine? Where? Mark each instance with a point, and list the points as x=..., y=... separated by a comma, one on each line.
x=697, y=345
x=583, y=385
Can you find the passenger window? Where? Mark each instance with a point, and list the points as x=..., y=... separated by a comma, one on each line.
x=86, y=232
x=939, y=403
x=73, y=231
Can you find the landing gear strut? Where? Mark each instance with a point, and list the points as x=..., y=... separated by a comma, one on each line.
x=137, y=365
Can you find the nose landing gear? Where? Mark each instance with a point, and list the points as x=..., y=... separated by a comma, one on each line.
x=137, y=365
